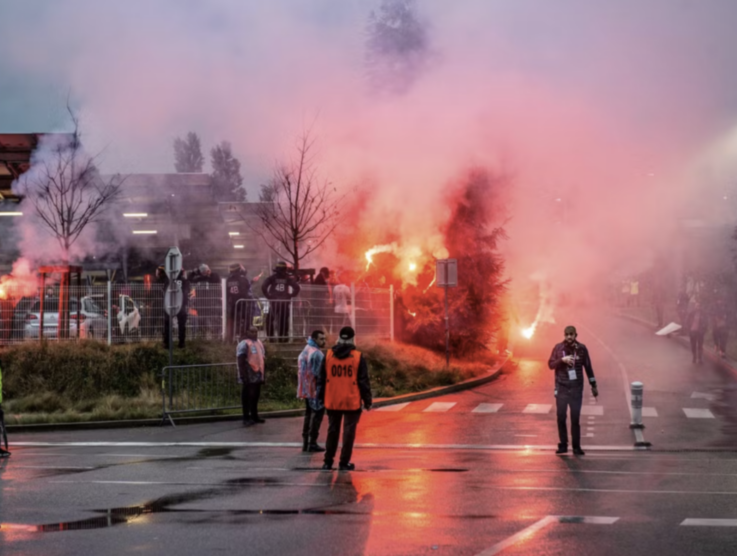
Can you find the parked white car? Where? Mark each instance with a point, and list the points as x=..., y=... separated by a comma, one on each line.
x=92, y=320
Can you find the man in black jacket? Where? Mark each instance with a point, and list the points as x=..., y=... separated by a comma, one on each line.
x=181, y=316
x=569, y=360
x=343, y=386
x=279, y=289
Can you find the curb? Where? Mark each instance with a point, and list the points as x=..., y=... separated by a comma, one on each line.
x=493, y=373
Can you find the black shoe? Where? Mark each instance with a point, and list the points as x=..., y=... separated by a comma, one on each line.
x=561, y=450
x=248, y=423
x=346, y=467
x=4, y=453
x=258, y=420
x=327, y=466
x=578, y=452
x=315, y=448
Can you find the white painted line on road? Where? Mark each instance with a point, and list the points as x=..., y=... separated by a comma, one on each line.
x=50, y=467
x=488, y=408
x=649, y=412
x=527, y=532
x=696, y=522
x=694, y=413
x=593, y=410
x=589, y=435
x=537, y=408
x=395, y=407
x=589, y=429
x=439, y=407
x=488, y=447
x=703, y=396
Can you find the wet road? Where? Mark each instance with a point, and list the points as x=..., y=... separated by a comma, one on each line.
x=470, y=473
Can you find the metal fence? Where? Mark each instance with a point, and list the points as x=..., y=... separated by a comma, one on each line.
x=197, y=388
x=134, y=312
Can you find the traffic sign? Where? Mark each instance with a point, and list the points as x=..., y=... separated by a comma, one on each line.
x=173, y=263
x=173, y=298
x=446, y=273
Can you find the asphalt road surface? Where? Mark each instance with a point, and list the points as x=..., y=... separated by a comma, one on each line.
x=465, y=474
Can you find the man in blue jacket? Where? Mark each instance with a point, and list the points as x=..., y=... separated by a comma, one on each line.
x=569, y=360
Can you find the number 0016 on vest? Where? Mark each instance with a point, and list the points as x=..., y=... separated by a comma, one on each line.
x=341, y=386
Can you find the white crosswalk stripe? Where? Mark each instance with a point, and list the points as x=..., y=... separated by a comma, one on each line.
x=439, y=407
x=537, y=408
x=649, y=412
x=395, y=407
x=709, y=522
x=694, y=413
x=487, y=408
x=592, y=410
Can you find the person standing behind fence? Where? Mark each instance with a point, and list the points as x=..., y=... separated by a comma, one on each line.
x=181, y=316
x=237, y=287
x=279, y=289
x=343, y=385
x=251, y=357
x=321, y=298
x=207, y=298
x=309, y=362
x=342, y=304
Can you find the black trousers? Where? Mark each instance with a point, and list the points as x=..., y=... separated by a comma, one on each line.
x=697, y=344
x=181, y=324
x=349, y=419
x=250, y=393
x=569, y=395
x=311, y=426
x=278, y=319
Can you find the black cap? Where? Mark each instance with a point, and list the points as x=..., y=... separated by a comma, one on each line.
x=346, y=333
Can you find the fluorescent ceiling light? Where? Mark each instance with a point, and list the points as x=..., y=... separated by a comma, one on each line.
x=144, y=232
x=135, y=214
x=239, y=246
x=11, y=214
x=234, y=233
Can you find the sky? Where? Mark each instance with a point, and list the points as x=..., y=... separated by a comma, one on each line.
x=626, y=111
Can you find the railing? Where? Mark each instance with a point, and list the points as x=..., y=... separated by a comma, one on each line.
x=199, y=388
x=123, y=313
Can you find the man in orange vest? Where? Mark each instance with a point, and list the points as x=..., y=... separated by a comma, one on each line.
x=250, y=356
x=342, y=386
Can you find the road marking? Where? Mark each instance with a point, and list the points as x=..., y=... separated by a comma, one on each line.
x=486, y=447
x=694, y=413
x=589, y=435
x=649, y=412
x=395, y=407
x=696, y=522
x=537, y=408
x=528, y=532
x=589, y=429
x=439, y=407
x=703, y=396
x=50, y=467
x=488, y=408
x=593, y=410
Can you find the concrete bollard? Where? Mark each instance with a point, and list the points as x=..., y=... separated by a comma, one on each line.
x=636, y=390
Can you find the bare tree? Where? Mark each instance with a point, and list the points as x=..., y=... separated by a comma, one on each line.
x=304, y=210
x=66, y=189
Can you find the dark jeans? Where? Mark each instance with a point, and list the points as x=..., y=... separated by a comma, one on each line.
x=181, y=323
x=311, y=426
x=278, y=319
x=349, y=419
x=569, y=395
x=697, y=344
x=250, y=393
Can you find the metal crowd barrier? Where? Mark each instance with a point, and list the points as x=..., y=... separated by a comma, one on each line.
x=199, y=388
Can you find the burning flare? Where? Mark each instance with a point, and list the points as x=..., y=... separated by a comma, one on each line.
x=529, y=332
x=391, y=248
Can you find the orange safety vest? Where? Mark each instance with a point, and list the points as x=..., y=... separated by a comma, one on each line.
x=341, y=383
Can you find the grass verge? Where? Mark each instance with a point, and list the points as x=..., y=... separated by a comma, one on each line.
x=91, y=381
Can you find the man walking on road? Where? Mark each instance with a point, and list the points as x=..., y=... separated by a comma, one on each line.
x=342, y=385
x=568, y=360
x=250, y=356
x=309, y=363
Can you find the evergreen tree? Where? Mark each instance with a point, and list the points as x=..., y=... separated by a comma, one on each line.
x=188, y=154
x=397, y=46
x=226, y=174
